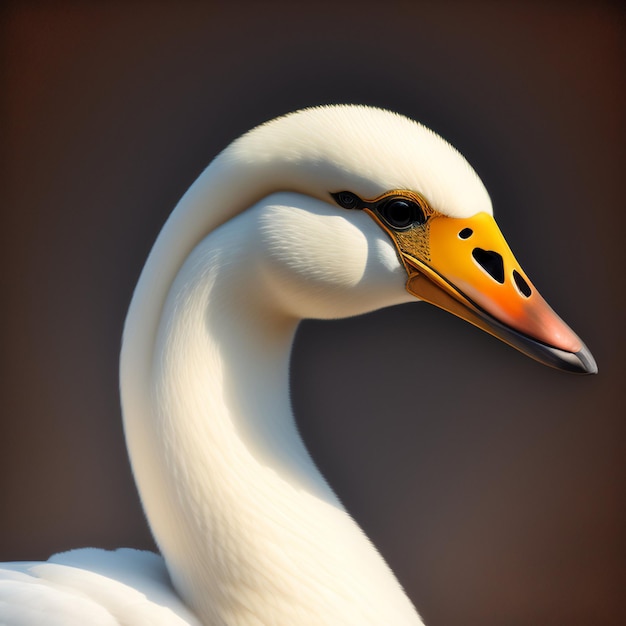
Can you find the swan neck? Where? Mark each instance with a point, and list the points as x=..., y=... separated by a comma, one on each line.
x=250, y=530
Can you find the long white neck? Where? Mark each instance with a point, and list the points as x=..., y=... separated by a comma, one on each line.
x=250, y=529
x=251, y=532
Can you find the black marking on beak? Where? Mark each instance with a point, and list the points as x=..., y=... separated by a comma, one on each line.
x=522, y=285
x=491, y=262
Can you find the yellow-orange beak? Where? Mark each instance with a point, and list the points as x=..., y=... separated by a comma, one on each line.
x=465, y=266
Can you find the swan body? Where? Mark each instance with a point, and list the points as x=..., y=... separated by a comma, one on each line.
x=249, y=530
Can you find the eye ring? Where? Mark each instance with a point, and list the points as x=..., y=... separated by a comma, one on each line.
x=402, y=213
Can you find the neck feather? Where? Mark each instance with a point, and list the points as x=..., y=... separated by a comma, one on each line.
x=249, y=528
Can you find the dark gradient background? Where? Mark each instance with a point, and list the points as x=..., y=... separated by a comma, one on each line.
x=493, y=486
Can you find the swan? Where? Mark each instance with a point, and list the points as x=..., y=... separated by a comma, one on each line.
x=327, y=212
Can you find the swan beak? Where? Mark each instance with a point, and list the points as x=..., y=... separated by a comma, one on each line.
x=465, y=266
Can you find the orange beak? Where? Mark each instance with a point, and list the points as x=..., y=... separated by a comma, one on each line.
x=465, y=266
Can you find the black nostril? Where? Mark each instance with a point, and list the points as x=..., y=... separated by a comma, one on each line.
x=491, y=262
x=466, y=233
x=522, y=285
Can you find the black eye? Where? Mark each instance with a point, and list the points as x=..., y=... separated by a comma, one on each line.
x=347, y=199
x=401, y=213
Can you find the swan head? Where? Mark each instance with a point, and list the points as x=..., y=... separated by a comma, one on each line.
x=413, y=214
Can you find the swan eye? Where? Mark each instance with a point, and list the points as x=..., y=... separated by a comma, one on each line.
x=347, y=199
x=401, y=213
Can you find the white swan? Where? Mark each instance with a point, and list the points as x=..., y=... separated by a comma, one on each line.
x=326, y=212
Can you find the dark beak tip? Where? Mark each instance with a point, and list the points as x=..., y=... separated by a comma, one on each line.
x=581, y=362
x=588, y=364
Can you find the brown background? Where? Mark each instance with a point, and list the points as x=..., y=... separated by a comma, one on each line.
x=494, y=486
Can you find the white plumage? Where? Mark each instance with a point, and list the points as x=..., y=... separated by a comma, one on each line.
x=249, y=529
x=94, y=587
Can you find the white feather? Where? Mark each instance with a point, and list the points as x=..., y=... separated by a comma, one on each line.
x=94, y=587
x=250, y=531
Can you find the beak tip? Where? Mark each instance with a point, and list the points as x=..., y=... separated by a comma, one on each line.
x=587, y=364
